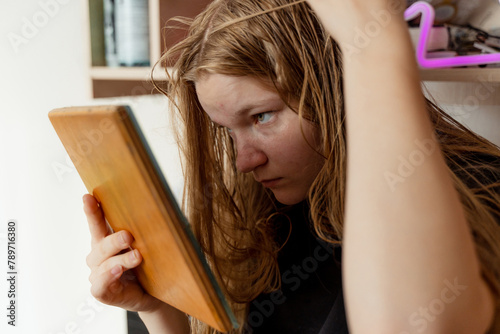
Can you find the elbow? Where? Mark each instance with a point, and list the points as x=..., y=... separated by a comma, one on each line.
x=472, y=313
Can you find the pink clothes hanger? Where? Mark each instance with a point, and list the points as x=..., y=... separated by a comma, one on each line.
x=426, y=22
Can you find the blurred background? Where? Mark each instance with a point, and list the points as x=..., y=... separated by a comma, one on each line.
x=57, y=53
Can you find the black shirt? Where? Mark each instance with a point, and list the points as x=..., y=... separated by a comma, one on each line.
x=310, y=300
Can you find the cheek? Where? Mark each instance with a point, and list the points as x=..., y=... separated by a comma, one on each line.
x=292, y=149
x=307, y=158
x=295, y=153
x=306, y=142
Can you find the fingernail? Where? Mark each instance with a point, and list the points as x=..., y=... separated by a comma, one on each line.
x=116, y=270
x=124, y=238
x=133, y=255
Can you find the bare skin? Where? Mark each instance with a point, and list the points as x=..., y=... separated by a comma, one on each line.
x=407, y=241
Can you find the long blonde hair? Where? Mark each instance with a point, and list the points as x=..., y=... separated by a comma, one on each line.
x=282, y=43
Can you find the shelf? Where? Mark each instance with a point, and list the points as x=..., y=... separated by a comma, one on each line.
x=126, y=73
x=118, y=81
x=124, y=81
x=488, y=74
x=448, y=74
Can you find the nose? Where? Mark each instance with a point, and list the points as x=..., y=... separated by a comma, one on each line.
x=248, y=155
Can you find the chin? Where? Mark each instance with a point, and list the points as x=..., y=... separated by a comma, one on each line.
x=288, y=198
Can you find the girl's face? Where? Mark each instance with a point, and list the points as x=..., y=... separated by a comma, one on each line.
x=266, y=133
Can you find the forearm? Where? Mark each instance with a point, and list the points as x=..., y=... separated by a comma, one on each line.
x=406, y=234
x=166, y=320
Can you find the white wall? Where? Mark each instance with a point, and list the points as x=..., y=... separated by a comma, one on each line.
x=476, y=105
x=38, y=185
x=45, y=71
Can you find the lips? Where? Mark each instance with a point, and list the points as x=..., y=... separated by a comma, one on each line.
x=269, y=183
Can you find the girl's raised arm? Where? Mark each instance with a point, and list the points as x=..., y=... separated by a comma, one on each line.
x=409, y=260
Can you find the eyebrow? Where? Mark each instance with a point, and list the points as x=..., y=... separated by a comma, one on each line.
x=253, y=105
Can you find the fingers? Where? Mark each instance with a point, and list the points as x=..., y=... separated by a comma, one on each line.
x=109, y=247
x=125, y=261
x=107, y=284
x=95, y=218
x=105, y=279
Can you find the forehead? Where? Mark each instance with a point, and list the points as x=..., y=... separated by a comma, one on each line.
x=218, y=86
x=233, y=94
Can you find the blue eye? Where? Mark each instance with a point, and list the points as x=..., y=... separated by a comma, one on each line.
x=264, y=117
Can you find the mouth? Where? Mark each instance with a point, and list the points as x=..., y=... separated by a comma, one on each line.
x=269, y=183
